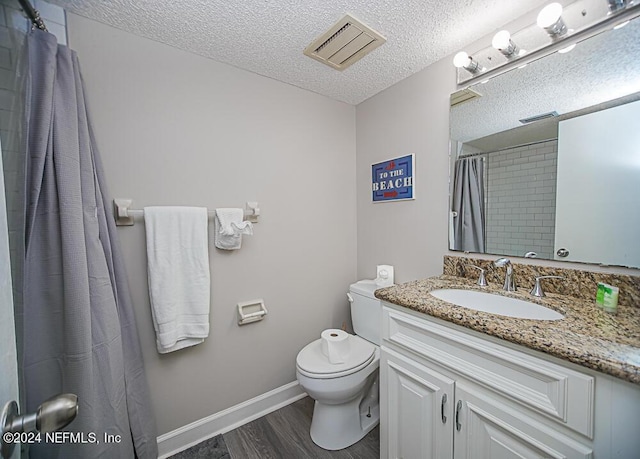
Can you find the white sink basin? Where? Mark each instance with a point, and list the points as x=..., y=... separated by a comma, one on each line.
x=496, y=304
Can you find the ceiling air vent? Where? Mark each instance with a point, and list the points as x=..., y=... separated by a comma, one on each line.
x=345, y=43
x=463, y=95
x=539, y=117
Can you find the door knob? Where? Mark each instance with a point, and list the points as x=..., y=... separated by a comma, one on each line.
x=54, y=414
x=562, y=252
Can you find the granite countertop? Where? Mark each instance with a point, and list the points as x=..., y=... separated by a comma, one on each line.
x=586, y=336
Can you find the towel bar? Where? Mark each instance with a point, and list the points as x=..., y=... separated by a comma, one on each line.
x=124, y=215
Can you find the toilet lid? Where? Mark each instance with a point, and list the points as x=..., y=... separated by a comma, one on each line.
x=313, y=363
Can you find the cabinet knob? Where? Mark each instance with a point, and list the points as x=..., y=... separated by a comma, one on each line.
x=458, y=409
x=444, y=400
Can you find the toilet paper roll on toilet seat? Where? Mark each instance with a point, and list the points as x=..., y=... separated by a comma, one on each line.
x=336, y=345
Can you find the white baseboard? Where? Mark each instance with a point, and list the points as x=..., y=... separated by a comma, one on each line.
x=229, y=419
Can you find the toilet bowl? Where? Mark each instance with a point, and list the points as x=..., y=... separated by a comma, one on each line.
x=346, y=399
x=346, y=394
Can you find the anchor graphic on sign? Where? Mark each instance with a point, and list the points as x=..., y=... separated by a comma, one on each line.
x=391, y=165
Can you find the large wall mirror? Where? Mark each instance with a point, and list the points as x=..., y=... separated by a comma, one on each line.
x=546, y=158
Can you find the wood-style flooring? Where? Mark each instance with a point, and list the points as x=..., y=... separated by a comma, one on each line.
x=283, y=434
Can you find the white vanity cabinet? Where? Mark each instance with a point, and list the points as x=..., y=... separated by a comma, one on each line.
x=447, y=392
x=417, y=412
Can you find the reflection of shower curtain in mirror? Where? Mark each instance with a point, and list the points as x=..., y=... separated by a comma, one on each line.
x=468, y=203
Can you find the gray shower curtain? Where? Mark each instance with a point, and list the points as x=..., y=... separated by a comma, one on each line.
x=468, y=203
x=79, y=331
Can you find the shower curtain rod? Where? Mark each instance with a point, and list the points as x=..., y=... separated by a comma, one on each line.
x=33, y=14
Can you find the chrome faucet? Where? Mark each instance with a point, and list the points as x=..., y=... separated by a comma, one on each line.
x=509, y=281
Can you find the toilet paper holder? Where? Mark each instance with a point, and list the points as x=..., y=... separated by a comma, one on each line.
x=251, y=311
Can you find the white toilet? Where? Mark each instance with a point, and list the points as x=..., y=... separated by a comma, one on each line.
x=346, y=394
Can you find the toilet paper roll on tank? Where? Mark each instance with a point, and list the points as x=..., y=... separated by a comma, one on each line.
x=335, y=345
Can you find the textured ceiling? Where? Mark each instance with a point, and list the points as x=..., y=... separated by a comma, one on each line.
x=268, y=36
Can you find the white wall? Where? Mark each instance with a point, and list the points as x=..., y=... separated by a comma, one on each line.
x=178, y=129
x=410, y=117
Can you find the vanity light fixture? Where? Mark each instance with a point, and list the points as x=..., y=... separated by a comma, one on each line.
x=463, y=60
x=502, y=42
x=550, y=19
x=589, y=17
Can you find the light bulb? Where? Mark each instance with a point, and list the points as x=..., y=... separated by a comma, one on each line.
x=461, y=59
x=501, y=40
x=503, y=43
x=549, y=15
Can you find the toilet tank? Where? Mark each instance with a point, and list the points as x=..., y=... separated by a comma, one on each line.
x=366, y=310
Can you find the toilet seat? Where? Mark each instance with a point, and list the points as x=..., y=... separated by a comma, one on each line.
x=312, y=363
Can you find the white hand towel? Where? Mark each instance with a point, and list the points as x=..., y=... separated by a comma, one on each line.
x=179, y=281
x=229, y=228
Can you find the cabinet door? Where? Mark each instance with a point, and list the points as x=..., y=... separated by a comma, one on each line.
x=416, y=410
x=487, y=429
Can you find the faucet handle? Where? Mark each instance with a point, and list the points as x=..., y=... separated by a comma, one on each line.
x=482, y=280
x=537, y=288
